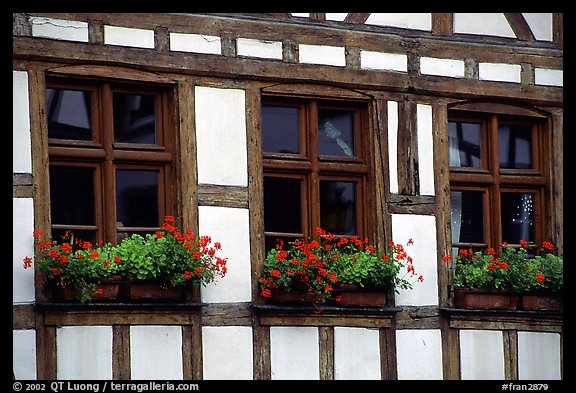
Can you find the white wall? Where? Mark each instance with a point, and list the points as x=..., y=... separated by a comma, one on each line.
x=24, y=353
x=156, y=352
x=419, y=354
x=538, y=355
x=230, y=227
x=356, y=353
x=481, y=354
x=84, y=352
x=21, y=145
x=294, y=352
x=221, y=136
x=227, y=352
x=22, y=246
x=422, y=229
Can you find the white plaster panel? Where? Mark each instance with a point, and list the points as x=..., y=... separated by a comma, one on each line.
x=481, y=354
x=21, y=145
x=294, y=353
x=230, y=227
x=84, y=352
x=322, y=54
x=22, y=246
x=156, y=352
x=419, y=354
x=442, y=67
x=259, y=48
x=221, y=136
x=197, y=43
x=499, y=72
x=371, y=60
x=540, y=24
x=393, y=145
x=301, y=14
x=337, y=16
x=128, y=36
x=24, y=354
x=494, y=24
x=418, y=21
x=356, y=353
x=425, y=149
x=422, y=229
x=59, y=29
x=539, y=355
x=548, y=77
x=227, y=352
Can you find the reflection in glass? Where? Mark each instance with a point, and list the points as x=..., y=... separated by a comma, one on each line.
x=515, y=146
x=280, y=129
x=467, y=216
x=72, y=195
x=137, y=198
x=69, y=114
x=338, y=207
x=517, y=217
x=336, y=133
x=464, y=144
x=134, y=118
x=282, y=209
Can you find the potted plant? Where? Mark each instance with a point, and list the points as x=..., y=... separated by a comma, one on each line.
x=76, y=269
x=484, y=280
x=163, y=264
x=347, y=271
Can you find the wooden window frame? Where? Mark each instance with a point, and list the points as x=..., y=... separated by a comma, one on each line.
x=108, y=156
x=495, y=180
x=310, y=166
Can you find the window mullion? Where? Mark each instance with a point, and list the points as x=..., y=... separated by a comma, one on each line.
x=314, y=179
x=108, y=175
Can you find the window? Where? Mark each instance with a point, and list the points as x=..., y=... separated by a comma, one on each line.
x=497, y=179
x=315, y=168
x=110, y=157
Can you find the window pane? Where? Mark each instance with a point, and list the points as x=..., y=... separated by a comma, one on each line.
x=69, y=114
x=137, y=198
x=517, y=217
x=84, y=235
x=72, y=195
x=467, y=216
x=281, y=129
x=338, y=207
x=134, y=118
x=336, y=133
x=282, y=205
x=515, y=146
x=464, y=144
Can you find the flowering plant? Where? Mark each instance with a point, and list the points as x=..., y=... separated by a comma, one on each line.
x=74, y=262
x=170, y=256
x=319, y=266
x=513, y=270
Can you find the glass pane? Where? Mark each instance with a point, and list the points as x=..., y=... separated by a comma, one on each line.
x=72, y=195
x=84, y=235
x=338, y=207
x=464, y=144
x=69, y=114
x=282, y=205
x=336, y=133
x=517, y=217
x=281, y=129
x=134, y=118
x=467, y=216
x=137, y=198
x=515, y=146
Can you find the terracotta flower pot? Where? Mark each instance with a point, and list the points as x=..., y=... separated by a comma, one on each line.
x=353, y=295
x=540, y=302
x=484, y=299
x=152, y=290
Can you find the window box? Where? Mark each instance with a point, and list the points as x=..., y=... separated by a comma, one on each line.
x=477, y=298
x=347, y=295
x=541, y=302
x=152, y=290
x=108, y=289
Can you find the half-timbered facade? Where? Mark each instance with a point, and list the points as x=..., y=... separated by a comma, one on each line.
x=421, y=97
